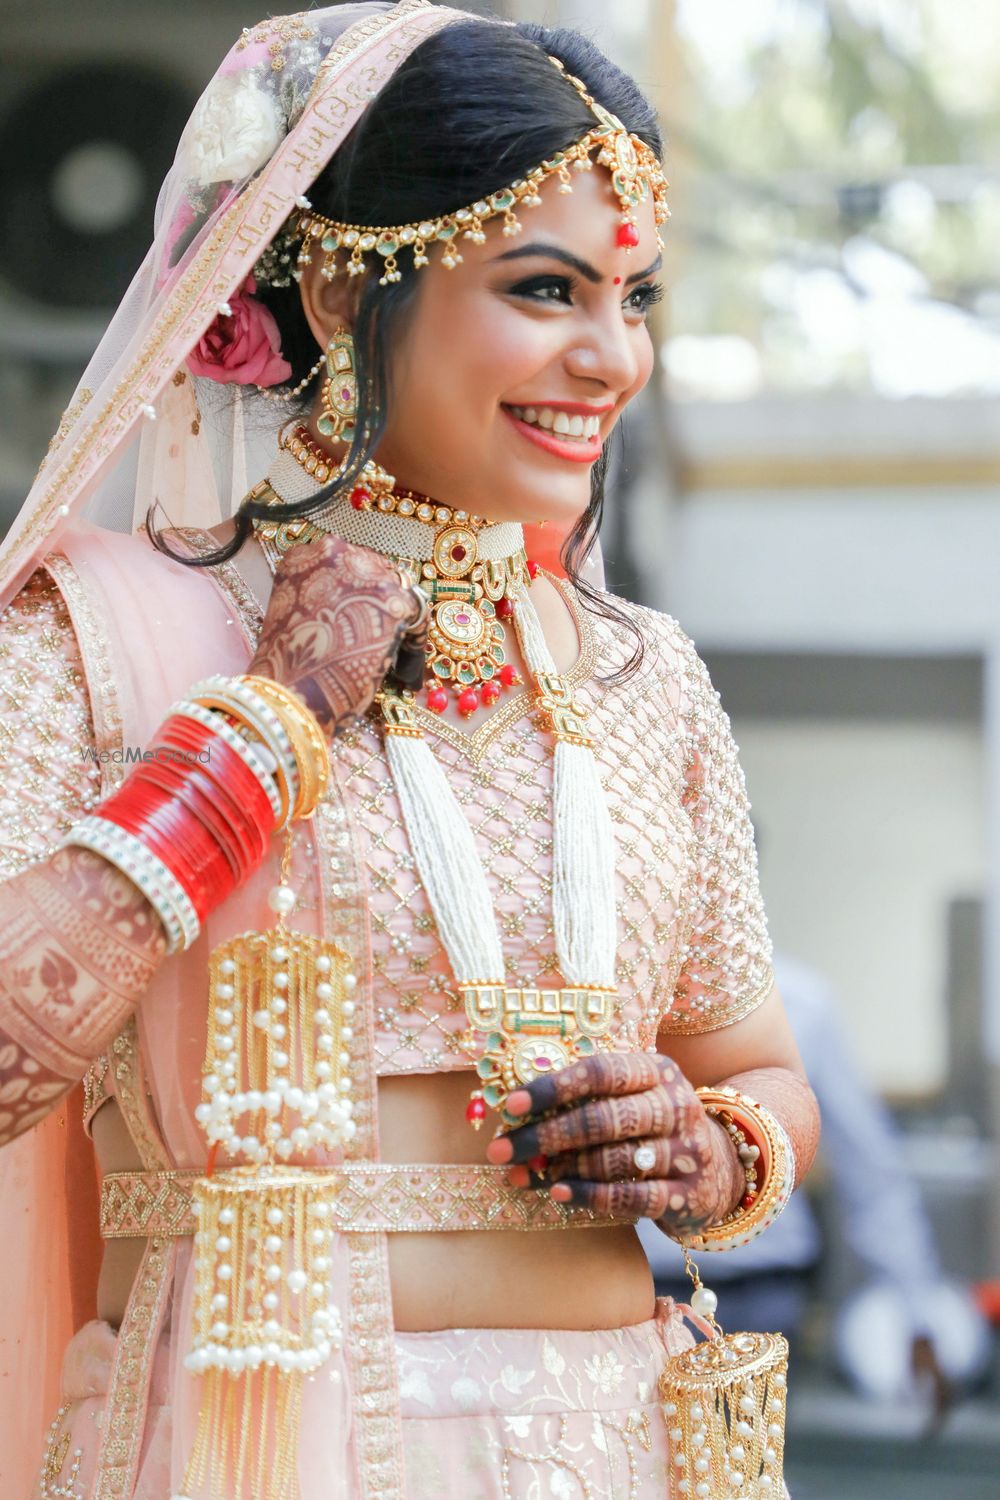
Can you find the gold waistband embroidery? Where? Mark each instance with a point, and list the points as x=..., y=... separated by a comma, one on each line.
x=375, y=1197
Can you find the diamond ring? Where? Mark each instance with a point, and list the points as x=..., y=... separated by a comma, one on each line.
x=644, y=1157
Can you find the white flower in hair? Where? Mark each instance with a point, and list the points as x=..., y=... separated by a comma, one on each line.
x=234, y=130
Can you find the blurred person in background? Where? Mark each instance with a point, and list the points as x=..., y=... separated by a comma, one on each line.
x=425, y=250
x=909, y=1326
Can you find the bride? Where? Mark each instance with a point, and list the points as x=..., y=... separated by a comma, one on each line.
x=339, y=827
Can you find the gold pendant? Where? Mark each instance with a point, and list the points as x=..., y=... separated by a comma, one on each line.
x=529, y=1033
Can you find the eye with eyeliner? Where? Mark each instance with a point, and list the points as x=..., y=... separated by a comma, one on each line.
x=553, y=288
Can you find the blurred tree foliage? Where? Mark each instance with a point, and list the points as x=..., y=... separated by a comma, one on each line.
x=822, y=128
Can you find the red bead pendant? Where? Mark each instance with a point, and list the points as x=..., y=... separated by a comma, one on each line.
x=507, y=675
x=475, y=1112
x=468, y=701
x=360, y=497
x=489, y=692
x=628, y=236
x=437, y=700
x=532, y=568
x=504, y=608
x=749, y=1199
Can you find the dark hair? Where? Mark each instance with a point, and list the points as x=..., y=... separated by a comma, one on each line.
x=472, y=108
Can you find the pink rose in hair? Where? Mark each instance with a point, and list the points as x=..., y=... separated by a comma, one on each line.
x=242, y=346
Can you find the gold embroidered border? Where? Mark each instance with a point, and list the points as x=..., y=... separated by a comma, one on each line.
x=95, y=647
x=371, y=1343
x=135, y=1348
x=714, y=1017
x=372, y=1198
x=230, y=580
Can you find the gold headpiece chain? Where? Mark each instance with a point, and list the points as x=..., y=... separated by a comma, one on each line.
x=636, y=174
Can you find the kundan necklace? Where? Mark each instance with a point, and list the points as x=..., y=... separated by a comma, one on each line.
x=514, y=1033
x=468, y=568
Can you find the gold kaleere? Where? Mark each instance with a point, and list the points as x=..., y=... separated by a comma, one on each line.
x=276, y=1084
x=724, y=1403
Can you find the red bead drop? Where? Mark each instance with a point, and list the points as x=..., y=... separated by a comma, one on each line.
x=532, y=568
x=628, y=236
x=468, y=701
x=360, y=497
x=507, y=675
x=437, y=700
x=475, y=1112
x=749, y=1199
x=490, y=693
x=504, y=608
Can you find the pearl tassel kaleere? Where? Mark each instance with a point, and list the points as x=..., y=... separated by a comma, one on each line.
x=276, y=1083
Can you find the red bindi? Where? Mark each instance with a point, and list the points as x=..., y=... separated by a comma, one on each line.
x=618, y=281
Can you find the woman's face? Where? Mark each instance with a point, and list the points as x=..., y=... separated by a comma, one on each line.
x=514, y=367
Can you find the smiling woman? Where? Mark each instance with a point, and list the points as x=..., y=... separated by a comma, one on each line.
x=516, y=880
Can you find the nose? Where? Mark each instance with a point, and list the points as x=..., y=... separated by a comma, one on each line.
x=608, y=352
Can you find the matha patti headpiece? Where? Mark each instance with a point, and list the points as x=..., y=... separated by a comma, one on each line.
x=636, y=174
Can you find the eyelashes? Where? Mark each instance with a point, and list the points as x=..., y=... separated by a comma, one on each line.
x=550, y=288
x=648, y=293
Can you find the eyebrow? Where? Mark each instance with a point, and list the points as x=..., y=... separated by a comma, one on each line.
x=583, y=267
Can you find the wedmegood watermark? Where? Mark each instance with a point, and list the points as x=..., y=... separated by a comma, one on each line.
x=133, y=755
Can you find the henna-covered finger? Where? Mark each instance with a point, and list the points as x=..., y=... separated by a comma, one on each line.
x=649, y=1199
x=614, y=1162
x=603, y=1074
x=594, y=1123
x=677, y=1206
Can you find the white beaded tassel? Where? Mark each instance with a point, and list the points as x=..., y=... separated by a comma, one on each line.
x=583, y=851
x=449, y=867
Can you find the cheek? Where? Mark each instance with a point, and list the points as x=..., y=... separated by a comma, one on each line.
x=466, y=355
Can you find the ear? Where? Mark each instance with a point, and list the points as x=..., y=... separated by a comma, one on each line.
x=328, y=305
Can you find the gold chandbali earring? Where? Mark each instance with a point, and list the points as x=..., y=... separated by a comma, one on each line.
x=340, y=390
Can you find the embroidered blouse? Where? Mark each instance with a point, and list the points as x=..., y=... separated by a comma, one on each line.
x=693, y=949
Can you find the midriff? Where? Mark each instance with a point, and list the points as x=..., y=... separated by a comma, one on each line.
x=561, y=1278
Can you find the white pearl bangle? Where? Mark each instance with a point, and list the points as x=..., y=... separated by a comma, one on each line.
x=146, y=871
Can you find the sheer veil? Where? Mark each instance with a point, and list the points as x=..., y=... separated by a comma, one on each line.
x=139, y=428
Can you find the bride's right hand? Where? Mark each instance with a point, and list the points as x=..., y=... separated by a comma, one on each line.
x=334, y=625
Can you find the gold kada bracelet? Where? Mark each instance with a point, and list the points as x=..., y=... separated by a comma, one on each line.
x=774, y=1169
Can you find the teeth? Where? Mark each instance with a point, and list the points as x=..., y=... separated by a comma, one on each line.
x=586, y=428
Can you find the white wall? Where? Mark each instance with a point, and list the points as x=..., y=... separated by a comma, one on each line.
x=867, y=831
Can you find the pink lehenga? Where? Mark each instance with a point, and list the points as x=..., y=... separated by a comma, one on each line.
x=104, y=634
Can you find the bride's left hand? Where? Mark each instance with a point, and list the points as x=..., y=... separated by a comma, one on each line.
x=608, y=1107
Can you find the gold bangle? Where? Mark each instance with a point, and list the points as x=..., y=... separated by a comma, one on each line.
x=776, y=1169
x=308, y=741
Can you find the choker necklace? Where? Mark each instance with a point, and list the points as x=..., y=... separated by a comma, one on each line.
x=470, y=569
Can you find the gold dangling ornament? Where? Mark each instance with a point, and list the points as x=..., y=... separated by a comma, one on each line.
x=724, y=1403
x=276, y=1084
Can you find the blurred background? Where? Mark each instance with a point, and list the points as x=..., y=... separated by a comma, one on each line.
x=810, y=486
